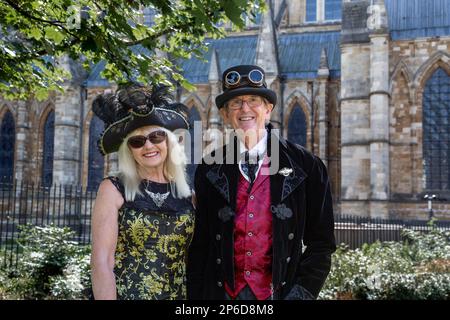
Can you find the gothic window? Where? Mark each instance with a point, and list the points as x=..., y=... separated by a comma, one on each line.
x=333, y=10
x=297, y=126
x=195, y=147
x=436, y=131
x=48, y=147
x=96, y=161
x=311, y=10
x=7, y=141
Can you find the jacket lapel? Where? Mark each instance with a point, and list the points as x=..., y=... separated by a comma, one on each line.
x=288, y=177
x=224, y=178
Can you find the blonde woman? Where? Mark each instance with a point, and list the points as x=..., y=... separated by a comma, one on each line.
x=142, y=221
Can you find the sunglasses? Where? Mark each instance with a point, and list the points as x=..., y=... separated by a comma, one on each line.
x=254, y=78
x=154, y=137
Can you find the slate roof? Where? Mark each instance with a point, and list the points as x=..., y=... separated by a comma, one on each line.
x=300, y=54
x=410, y=19
x=231, y=51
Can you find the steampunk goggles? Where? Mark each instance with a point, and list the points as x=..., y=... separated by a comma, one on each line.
x=254, y=78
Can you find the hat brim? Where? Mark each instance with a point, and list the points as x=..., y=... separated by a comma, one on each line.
x=115, y=134
x=263, y=92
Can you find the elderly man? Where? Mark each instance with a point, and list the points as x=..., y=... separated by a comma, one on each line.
x=259, y=234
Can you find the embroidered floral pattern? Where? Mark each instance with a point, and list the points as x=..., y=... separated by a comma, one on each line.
x=219, y=181
x=225, y=214
x=292, y=181
x=150, y=254
x=281, y=211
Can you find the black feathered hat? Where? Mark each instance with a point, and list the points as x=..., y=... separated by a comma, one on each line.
x=133, y=107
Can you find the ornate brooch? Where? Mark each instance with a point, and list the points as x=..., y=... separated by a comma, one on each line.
x=285, y=171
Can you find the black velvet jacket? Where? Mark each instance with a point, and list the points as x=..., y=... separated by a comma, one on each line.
x=303, y=226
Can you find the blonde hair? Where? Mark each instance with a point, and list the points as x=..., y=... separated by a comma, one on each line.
x=174, y=168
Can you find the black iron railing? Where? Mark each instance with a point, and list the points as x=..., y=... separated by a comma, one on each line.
x=24, y=203
x=71, y=206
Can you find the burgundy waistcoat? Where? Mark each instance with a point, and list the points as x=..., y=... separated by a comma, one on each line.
x=253, y=237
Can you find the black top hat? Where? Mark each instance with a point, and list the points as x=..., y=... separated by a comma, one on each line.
x=133, y=107
x=244, y=80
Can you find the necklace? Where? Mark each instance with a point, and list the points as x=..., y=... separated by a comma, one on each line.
x=158, y=198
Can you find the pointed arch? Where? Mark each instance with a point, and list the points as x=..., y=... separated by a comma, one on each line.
x=194, y=100
x=402, y=68
x=297, y=99
x=6, y=107
x=47, y=141
x=7, y=145
x=299, y=95
x=438, y=60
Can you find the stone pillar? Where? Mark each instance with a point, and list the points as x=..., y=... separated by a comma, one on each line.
x=68, y=118
x=215, y=122
x=379, y=111
x=67, y=137
x=355, y=109
x=267, y=57
x=23, y=156
x=322, y=100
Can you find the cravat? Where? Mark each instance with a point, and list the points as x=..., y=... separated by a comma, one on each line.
x=249, y=168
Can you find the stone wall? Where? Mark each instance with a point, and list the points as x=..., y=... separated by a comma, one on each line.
x=411, y=65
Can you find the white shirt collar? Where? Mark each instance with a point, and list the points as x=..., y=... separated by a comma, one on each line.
x=259, y=148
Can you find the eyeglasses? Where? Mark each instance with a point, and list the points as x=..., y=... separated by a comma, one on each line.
x=252, y=102
x=154, y=137
x=254, y=78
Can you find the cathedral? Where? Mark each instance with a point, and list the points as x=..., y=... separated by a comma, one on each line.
x=363, y=84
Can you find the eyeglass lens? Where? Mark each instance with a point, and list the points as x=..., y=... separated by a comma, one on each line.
x=237, y=103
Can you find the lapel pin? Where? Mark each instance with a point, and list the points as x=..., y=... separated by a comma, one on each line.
x=285, y=171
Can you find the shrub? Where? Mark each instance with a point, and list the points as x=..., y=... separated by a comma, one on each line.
x=417, y=268
x=51, y=266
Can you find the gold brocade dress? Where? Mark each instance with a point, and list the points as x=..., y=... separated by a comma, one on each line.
x=155, y=231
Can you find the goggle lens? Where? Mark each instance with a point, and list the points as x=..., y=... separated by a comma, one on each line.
x=254, y=78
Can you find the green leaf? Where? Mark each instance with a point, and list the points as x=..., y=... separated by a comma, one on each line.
x=41, y=94
x=234, y=13
x=53, y=34
x=187, y=85
x=36, y=33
